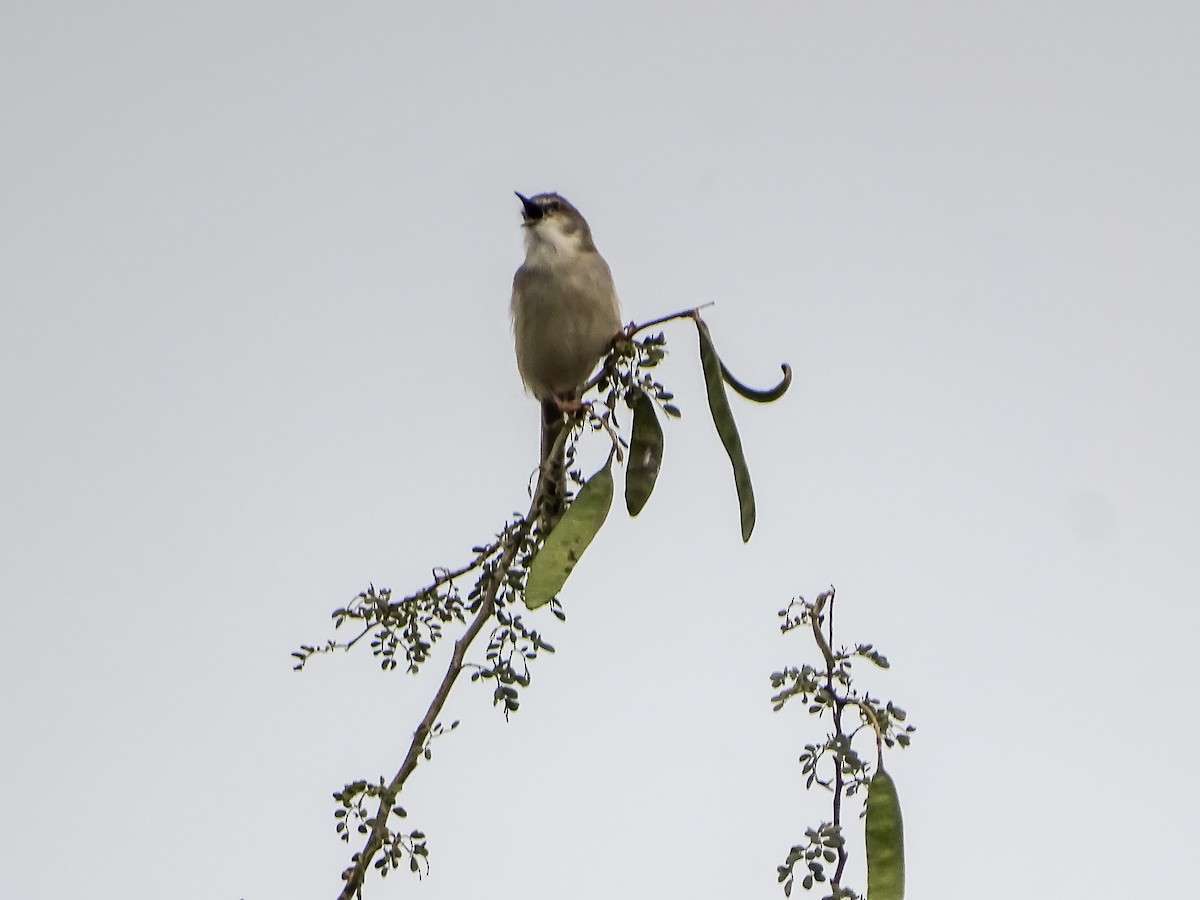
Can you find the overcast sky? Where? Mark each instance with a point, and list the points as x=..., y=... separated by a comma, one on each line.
x=255, y=354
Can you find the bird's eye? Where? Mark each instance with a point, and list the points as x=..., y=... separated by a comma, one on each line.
x=551, y=205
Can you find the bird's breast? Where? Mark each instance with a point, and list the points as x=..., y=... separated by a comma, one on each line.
x=564, y=317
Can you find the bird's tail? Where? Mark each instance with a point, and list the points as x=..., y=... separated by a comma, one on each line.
x=552, y=476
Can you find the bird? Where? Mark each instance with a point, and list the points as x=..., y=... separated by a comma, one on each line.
x=565, y=317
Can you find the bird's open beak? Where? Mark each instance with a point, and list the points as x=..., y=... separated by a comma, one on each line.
x=532, y=210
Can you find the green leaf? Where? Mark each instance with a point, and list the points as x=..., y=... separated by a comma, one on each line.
x=571, y=536
x=885, y=840
x=645, y=454
x=722, y=415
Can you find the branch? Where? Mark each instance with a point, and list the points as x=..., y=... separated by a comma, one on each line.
x=491, y=595
x=839, y=704
x=441, y=577
x=512, y=541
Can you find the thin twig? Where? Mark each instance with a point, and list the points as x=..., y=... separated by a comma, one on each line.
x=448, y=576
x=634, y=328
x=444, y=578
x=815, y=620
x=873, y=720
x=607, y=426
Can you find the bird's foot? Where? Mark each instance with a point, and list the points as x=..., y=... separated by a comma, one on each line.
x=571, y=406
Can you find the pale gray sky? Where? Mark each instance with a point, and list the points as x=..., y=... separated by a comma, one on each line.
x=256, y=354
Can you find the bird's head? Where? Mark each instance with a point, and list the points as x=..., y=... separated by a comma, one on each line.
x=552, y=225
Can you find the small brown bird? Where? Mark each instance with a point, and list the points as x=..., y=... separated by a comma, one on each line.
x=565, y=315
